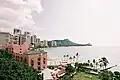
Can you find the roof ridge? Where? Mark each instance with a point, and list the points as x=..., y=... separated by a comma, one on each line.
x=36, y=51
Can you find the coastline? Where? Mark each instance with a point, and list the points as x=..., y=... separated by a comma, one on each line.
x=88, y=53
x=63, y=46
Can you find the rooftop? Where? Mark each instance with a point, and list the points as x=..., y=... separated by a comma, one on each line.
x=37, y=51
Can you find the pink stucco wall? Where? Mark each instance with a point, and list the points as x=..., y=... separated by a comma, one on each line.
x=19, y=52
x=35, y=58
x=18, y=48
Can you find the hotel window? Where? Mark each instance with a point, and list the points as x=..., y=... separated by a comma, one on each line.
x=20, y=51
x=32, y=62
x=38, y=59
x=38, y=68
x=15, y=42
x=44, y=58
x=38, y=63
x=43, y=62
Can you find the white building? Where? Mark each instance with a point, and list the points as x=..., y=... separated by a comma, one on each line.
x=16, y=35
x=54, y=43
x=4, y=38
x=27, y=36
x=33, y=39
x=17, y=32
x=37, y=42
x=54, y=61
x=44, y=43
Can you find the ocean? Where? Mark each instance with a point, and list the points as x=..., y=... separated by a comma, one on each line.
x=88, y=53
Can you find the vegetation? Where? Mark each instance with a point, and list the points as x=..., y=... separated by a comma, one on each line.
x=79, y=72
x=72, y=58
x=67, y=42
x=91, y=70
x=84, y=76
x=70, y=71
x=10, y=69
x=108, y=75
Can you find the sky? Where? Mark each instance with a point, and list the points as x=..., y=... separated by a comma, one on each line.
x=19, y=14
x=82, y=21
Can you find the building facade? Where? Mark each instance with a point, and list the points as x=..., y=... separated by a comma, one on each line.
x=17, y=32
x=35, y=58
x=17, y=36
x=18, y=45
x=37, y=42
x=52, y=43
x=20, y=38
x=44, y=43
x=33, y=39
x=5, y=38
x=27, y=36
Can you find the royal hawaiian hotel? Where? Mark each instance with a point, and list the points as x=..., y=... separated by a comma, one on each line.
x=22, y=51
x=36, y=58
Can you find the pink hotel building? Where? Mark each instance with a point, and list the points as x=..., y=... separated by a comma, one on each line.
x=36, y=58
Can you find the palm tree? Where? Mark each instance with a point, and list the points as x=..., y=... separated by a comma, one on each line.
x=89, y=62
x=64, y=57
x=76, y=65
x=104, y=61
x=94, y=62
x=74, y=58
x=70, y=58
x=105, y=64
x=67, y=57
x=100, y=65
x=91, y=65
x=77, y=55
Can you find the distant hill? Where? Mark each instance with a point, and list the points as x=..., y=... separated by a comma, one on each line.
x=67, y=42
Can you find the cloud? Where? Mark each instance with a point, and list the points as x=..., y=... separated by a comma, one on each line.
x=17, y=13
x=32, y=29
x=5, y=24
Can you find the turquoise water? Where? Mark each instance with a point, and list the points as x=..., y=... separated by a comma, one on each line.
x=88, y=53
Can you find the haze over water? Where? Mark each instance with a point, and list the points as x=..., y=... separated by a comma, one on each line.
x=89, y=53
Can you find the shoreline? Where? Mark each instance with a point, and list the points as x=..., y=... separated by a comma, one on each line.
x=64, y=46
